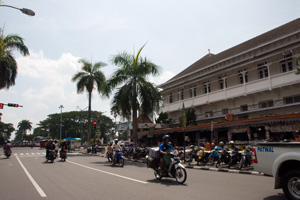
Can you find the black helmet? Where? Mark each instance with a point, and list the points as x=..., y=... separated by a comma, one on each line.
x=166, y=137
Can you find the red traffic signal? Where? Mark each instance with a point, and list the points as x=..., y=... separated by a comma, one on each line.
x=13, y=105
x=95, y=125
x=1, y=105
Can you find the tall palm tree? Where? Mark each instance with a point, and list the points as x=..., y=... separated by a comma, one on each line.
x=90, y=78
x=24, y=125
x=8, y=64
x=136, y=92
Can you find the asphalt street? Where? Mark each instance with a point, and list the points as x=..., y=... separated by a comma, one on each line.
x=26, y=175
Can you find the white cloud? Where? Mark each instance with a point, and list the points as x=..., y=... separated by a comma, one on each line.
x=164, y=77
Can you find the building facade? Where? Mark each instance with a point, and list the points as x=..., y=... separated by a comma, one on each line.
x=248, y=92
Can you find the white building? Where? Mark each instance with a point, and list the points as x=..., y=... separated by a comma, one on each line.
x=253, y=85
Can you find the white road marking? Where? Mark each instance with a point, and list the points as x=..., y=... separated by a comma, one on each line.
x=21, y=154
x=32, y=153
x=15, y=154
x=27, y=153
x=38, y=153
x=37, y=187
x=117, y=175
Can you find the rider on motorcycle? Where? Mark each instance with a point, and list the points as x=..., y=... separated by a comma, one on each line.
x=7, y=146
x=64, y=146
x=164, y=148
x=115, y=147
x=50, y=146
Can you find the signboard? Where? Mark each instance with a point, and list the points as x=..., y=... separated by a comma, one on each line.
x=229, y=117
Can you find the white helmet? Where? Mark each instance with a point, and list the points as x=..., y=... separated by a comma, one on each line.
x=231, y=142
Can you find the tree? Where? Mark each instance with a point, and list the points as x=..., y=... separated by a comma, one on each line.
x=23, y=126
x=7, y=129
x=136, y=92
x=191, y=117
x=74, y=123
x=88, y=79
x=163, y=118
x=8, y=64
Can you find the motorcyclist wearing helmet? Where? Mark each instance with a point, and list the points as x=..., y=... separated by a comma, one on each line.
x=50, y=146
x=164, y=148
x=115, y=147
x=221, y=144
x=232, y=145
x=7, y=146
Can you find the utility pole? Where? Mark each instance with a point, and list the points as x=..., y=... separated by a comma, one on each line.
x=61, y=107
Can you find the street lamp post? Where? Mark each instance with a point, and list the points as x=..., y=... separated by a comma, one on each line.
x=26, y=11
x=60, y=130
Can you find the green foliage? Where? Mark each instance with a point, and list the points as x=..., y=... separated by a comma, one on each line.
x=88, y=79
x=7, y=129
x=191, y=117
x=8, y=64
x=163, y=118
x=75, y=124
x=135, y=91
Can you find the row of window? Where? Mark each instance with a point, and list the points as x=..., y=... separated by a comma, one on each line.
x=263, y=72
x=261, y=105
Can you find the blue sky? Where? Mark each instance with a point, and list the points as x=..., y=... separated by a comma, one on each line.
x=177, y=33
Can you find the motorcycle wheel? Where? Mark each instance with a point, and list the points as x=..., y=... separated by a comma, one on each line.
x=52, y=161
x=102, y=150
x=218, y=163
x=157, y=175
x=180, y=175
x=229, y=164
x=241, y=163
x=121, y=162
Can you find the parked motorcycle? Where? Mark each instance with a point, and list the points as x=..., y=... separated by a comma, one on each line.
x=63, y=155
x=202, y=156
x=214, y=155
x=191, y=154
x=118, y=158
x=246, y=159
x=223, y=157
x=174, y=170
x=51, y=156
x=234, y=157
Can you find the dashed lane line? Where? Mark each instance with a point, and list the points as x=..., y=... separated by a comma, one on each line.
x=109, y=173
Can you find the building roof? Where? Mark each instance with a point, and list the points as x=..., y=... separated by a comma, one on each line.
x=264, y=38
x=241, y=122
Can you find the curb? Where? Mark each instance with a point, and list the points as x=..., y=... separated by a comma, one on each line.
x=226, y=170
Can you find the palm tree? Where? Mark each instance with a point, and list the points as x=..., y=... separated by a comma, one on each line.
x=88, y=79
x=24, y=125
x=8, y=64
x=136, y=92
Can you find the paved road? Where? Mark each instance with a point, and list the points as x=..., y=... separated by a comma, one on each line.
x=92, y=177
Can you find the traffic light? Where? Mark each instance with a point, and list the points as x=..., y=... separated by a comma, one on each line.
x=1, y=105
x=95, y=125
x=13, y=105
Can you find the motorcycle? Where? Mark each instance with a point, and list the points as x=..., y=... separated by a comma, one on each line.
x=7, y=151
x=246, y=159
x=63, y=155
x=214, y=155
x=202, y=156
x=234, y=157
x=118, y=158
x=223, y=157
x=51, y=156
x=174, y=170
x=109, y=156
x=191, y=155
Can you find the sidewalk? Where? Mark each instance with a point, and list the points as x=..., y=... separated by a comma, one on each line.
x=224, y=168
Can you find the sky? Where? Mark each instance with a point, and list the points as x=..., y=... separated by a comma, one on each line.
x=177, y=33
